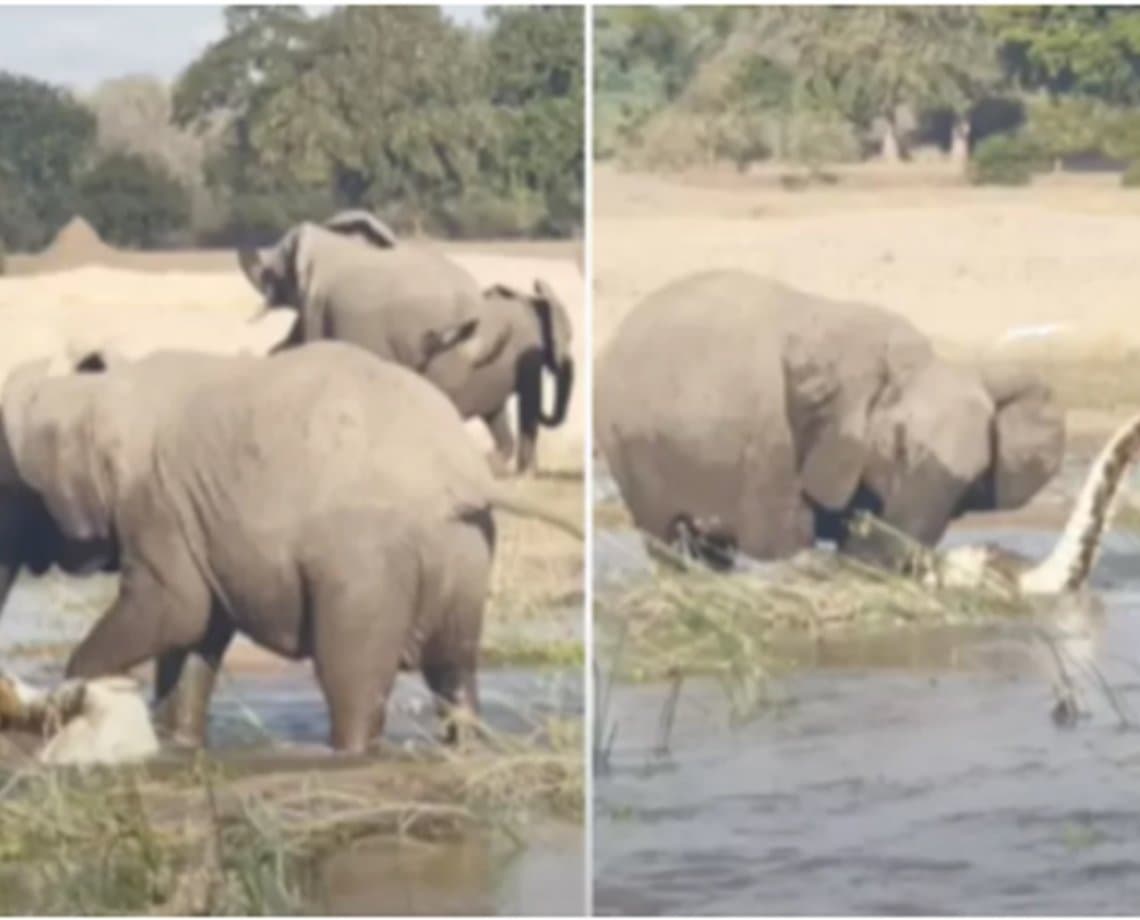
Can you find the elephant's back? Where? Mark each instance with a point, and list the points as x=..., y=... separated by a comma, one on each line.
x=385, y=301
x=327, y=426
x=690, y=384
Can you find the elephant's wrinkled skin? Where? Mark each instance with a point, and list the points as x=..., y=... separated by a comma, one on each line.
x=763, y=417
x=324, y=503
x=351, y=280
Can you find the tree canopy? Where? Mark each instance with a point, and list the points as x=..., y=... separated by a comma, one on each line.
x=438, y=127
x=798, y=83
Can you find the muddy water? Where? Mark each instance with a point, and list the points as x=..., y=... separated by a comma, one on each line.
x=273, y=719
x=915, y=773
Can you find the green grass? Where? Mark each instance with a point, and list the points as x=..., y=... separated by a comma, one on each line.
x=688, y=621
x=201, y=840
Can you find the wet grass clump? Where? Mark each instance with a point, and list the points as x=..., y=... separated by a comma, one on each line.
x=205, y=840
x=686, y=620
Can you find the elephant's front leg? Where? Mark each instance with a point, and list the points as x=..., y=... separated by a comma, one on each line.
x=504, y=452
x=151, y=616
x=184, y=684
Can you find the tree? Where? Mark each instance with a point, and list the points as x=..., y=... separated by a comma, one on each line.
x=222, y=94
x=135, y=115
x=535, y=83
x=645, y=58
x=869, y=62
x=46, y=141
x=1091, y=51
x=132, y=201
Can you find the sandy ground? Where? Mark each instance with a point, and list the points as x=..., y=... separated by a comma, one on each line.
x=200, y=300
x=966, y=265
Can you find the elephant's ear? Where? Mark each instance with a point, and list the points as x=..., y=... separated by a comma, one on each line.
x=253, y=267
x=829, y=406
x=834, y=463
x=1028, y=434
x=58, y=446
x=364, y=225
x=558, y=318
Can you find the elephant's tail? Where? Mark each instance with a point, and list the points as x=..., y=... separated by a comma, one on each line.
x=1068, y=566
x=521, y=507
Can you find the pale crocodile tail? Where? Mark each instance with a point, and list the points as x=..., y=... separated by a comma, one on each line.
x=1069, y=564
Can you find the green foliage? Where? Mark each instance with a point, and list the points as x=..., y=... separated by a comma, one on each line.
x=800, y=83
x=645, y=57
x=1070, y=126
x=1086, y=50
x=45, y=143
x=535, y=83
x=1131, y=176
x=867, y=61
x=133, y=202
x=398, y=110
x=1008, y=159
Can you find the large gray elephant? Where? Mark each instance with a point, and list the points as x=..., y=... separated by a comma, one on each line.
x=322, y=502
x=761, y=417
x=351, y=280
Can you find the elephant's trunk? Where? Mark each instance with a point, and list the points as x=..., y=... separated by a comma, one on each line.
x=564, y=377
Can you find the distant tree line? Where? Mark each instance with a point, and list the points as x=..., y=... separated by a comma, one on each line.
x=439, y=128
x=678, y=86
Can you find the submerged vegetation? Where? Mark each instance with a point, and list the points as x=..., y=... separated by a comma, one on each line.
x=689, y=621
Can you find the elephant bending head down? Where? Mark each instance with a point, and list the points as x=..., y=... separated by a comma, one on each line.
x=349, y=279
x=766, y=417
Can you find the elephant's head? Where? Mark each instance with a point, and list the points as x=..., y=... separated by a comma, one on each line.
x=281, y=274
x=553, y=333
x=54, y=480
x=921, y=449
x=63, y=443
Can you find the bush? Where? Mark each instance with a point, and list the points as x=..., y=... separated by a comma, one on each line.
x=1131, y=176
x=132, y=201
x=1007, y=159
x=480, y=214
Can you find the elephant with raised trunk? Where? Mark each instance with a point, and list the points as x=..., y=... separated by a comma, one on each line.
x=761, y=418
x=324, y=503
x=350, y=279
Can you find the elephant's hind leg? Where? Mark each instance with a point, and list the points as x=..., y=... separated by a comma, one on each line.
x=450, y=658
x=364, y=595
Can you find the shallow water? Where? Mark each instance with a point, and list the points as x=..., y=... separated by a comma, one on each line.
x=274, y=720
x=916, y=773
